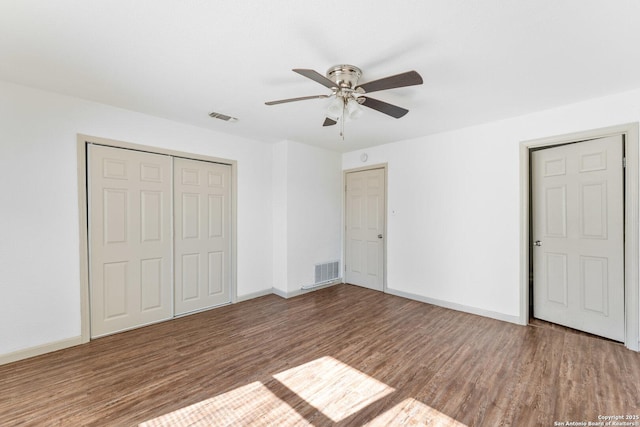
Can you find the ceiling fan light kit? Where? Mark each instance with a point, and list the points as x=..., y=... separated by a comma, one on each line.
x=354, y=110
x=334, y=110
x=348, y=96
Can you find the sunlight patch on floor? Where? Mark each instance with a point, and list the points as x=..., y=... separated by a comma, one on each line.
x=415, y=413
x=252, y=403
x=334, y=388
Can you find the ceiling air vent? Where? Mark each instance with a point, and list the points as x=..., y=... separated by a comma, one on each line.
x=222, y=117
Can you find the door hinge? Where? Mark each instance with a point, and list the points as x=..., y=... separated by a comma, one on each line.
x=624, y=162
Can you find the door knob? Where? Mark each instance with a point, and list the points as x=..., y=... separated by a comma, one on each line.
x=379, y=236
x=537, y=243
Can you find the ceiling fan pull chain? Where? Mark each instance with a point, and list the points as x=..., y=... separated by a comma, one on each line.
x=342, y=120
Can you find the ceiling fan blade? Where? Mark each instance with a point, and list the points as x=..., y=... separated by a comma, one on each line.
x=302, y=98
x=316, y=76
x=383, y=107
x=410, y=78
x=329, y=122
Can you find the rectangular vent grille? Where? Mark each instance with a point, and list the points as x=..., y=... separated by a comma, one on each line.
x=327, y=272
x=222, y=117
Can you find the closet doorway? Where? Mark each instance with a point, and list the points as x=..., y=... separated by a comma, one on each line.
x=159, y=228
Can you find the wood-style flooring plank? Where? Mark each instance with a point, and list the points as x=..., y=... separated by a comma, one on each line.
x=341, y=356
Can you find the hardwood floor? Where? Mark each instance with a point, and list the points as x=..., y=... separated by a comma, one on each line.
x=342, y=355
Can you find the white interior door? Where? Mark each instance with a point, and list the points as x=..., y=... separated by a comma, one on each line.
x=578, y=234
x=130, y=239
x=202, y=209
x=365, y=224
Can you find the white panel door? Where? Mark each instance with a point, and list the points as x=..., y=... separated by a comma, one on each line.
x=365, y=216
x=202, y=210
x=130, y=239
x=578, y=234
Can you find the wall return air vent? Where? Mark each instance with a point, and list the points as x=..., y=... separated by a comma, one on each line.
x=325, y=273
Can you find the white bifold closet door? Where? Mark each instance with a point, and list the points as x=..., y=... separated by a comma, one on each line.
x=202, y=210
x=159, y=237
x=130, y=239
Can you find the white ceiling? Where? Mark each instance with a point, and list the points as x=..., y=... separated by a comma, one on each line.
x=480, y=60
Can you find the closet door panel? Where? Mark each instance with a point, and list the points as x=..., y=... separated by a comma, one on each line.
x=129, y=239
x=202, y=209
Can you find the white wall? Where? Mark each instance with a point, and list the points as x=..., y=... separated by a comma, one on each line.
x=307, y=211
x=280, y=212
x=39, y=237
x=453, y=204
x=453, y=208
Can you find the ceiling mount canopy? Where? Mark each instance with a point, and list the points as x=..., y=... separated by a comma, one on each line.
x=349, y=96
x=345, y=76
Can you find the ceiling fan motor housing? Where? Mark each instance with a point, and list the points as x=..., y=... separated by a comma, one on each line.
x=344, y=76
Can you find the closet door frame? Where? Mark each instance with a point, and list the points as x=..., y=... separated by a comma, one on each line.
x=82, y=143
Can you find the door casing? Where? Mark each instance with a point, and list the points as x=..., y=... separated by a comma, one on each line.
x=82, y=141
x=631, y=221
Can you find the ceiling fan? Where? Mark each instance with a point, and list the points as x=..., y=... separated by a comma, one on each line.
x=349, y=95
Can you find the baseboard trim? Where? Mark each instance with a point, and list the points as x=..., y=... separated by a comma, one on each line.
x=297, y=292
x=39, y=350
x=71, y=342
x=253, y=295
x=454, y=306
x=279, y=292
